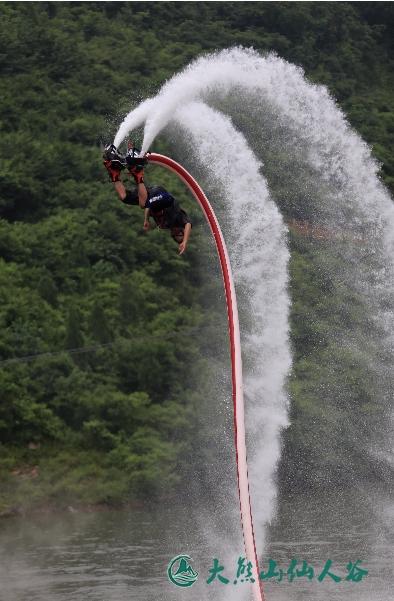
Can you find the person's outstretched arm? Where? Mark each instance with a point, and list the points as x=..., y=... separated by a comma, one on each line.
x=146, y=219
x=186, y=236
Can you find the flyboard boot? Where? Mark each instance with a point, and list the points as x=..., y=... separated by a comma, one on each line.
x=135, y=163
x=114, y=162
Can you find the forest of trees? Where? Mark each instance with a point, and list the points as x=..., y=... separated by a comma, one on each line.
x=104, y=330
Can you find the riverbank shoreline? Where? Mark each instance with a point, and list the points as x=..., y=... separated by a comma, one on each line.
x=51, y=509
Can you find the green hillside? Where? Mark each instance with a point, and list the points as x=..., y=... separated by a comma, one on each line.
x=105, y=330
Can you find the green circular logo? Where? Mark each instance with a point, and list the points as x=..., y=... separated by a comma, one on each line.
x=180, y=572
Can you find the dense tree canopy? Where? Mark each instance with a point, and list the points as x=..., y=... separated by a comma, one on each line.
x=102, y=336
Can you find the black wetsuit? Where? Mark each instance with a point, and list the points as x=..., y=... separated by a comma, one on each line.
x=163, y=207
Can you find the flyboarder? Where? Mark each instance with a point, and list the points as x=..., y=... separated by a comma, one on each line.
x=156, y=201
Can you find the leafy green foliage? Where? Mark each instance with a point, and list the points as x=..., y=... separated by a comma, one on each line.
x=108, y=320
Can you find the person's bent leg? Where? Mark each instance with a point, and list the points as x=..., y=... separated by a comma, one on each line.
x=120, y=190
x=142, y=194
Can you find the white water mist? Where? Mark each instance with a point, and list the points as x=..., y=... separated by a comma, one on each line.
x=256, y=238
x=335, y=184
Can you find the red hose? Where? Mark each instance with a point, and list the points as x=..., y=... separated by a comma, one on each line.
x=236, y=365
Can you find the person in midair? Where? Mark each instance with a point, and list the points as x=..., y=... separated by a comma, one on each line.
x=155, y=201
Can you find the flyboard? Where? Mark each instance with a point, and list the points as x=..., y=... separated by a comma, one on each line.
x=236, y=365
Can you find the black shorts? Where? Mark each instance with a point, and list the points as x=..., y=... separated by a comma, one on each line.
x=163, y=207
x=158, y=198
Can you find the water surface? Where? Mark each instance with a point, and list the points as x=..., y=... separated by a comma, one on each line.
x=123, y=555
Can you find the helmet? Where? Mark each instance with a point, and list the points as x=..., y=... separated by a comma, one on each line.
x=111, y=154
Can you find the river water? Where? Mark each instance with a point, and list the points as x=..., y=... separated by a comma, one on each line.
x=123, y=555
